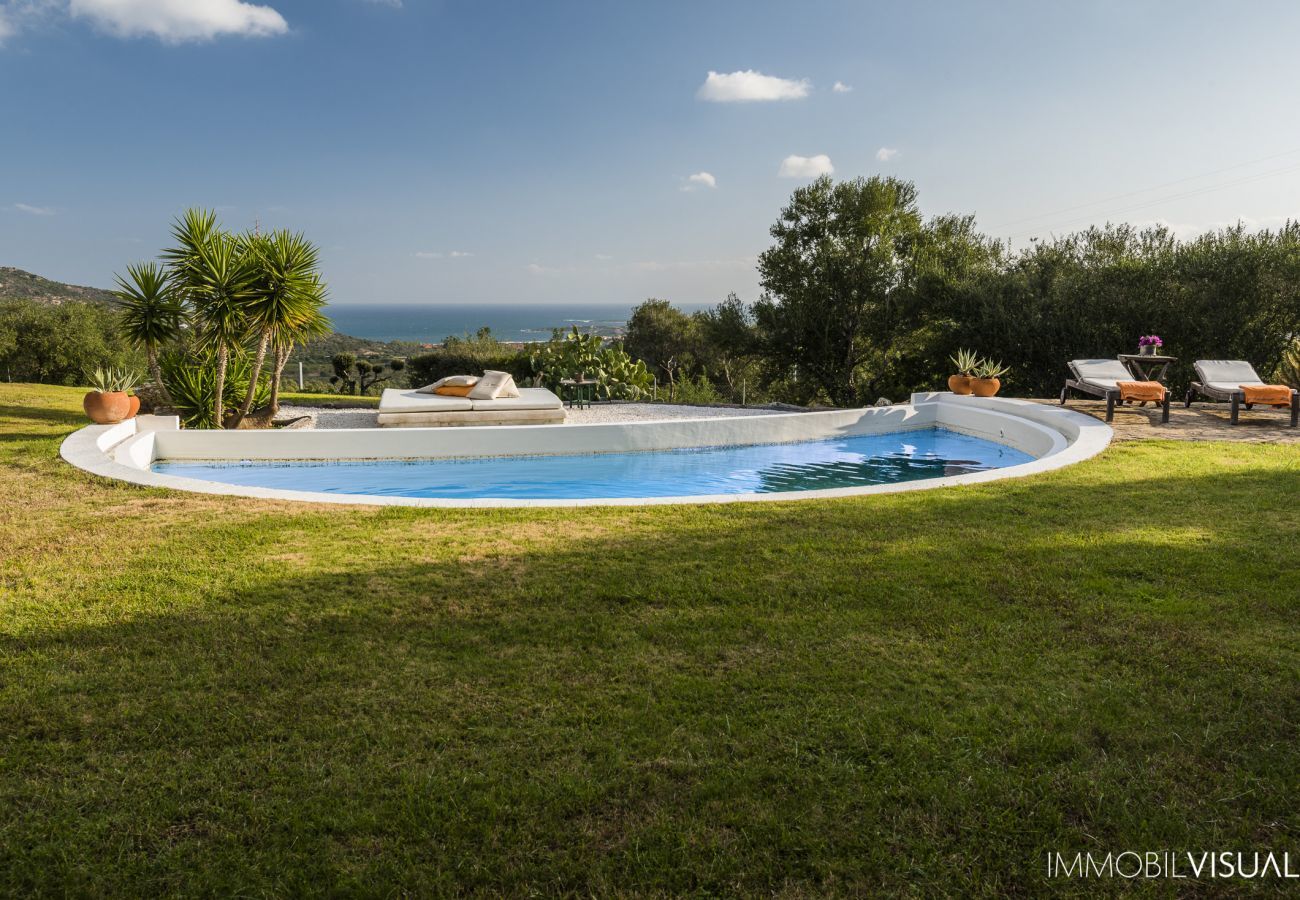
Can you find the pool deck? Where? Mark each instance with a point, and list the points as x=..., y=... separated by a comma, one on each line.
x=1202, y=422
x=590, y=415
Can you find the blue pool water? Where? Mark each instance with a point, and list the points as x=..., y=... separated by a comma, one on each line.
x=758, y=468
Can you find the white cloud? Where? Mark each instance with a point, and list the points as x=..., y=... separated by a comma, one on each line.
x=6, y=29
x=748, y=86
x=806, y=166
x=34, y=210
x=431, y=254
x=699, y=180
x=176, y=21
x=840, y=87
x=885, y=154
x=604, y=257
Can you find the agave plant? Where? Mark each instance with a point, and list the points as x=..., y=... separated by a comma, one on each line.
x=965, y=361
x=111, y=380
x=192, y=379
x=987, y=369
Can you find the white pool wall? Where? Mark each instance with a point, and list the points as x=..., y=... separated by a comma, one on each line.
x=1054, y=436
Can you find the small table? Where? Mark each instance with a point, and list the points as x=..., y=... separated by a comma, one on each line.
x=574, y=390
x=1147, y=366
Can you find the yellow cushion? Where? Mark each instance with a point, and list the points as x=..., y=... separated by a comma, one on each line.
x=454, y=390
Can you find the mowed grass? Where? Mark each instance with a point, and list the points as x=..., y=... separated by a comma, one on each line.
x=919, y=693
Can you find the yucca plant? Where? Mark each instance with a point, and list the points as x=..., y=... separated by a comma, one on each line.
x=285, y=297
x=217, y=276
x=151, y=313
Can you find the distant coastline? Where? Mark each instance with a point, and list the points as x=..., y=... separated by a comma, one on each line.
x=432, y=323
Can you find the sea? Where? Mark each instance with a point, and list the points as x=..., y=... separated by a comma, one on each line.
x=431, y=323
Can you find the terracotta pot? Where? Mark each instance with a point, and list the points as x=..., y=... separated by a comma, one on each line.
x=134, y=408
x=959, y=384
x=985, y=387
x=106, y=408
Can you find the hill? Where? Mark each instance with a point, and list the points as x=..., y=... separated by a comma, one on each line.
x=15, y=284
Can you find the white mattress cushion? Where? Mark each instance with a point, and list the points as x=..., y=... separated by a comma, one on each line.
x=395, y=400
x=1104, y=373
x=529, y=398
x=1226, y=374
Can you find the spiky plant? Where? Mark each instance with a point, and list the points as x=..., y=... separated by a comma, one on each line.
x=151, y=313
x=217, y=277
x=286, y=293
x=965, y=361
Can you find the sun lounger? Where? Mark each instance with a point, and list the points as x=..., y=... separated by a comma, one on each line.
x=533, y=406
x=1101, y=378
x=1222, y=379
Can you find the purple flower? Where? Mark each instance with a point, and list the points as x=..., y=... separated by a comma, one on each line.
x=1150, y=340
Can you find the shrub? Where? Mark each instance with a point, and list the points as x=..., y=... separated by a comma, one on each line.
x=698, y=391
x=470, y=356
x=191, y=379
x=617, y=375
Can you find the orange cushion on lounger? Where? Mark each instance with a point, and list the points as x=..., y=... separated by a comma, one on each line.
x=449, y=381
x=1141, y=390
x=1267, y=394
x=454, y=390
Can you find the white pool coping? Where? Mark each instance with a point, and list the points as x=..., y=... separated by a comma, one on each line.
x=1055, y=437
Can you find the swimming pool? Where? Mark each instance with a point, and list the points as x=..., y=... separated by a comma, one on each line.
x=851, y=461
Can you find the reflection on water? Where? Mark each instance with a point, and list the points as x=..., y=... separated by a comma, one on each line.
x=763, y=468
x=890, y=469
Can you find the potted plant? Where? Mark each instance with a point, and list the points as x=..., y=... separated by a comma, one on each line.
x=988, y=378
x=1149, y=345
x=965, y=362
x=108, y=402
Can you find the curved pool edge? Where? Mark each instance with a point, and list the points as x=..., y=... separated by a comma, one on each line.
x=1062, y=437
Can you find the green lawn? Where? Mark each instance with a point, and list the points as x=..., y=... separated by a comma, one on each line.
x=923, y=692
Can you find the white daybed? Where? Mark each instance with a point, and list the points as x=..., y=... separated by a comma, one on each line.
x=533, y=406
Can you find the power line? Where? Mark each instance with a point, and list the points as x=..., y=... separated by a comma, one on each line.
x=1249, y=179
x=1147, y=190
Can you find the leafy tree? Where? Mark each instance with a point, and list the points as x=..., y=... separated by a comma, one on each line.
x=356, y=376
x=663, y=336
x=57, y=344
x=727, y=346
x=343, y=378
x=832, y=278
x=151, y=313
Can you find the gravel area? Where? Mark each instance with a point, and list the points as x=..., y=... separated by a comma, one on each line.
x=600, y=412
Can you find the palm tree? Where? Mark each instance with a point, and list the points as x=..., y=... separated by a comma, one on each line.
x=286, y=292
x=217, y=277
x=151, y=313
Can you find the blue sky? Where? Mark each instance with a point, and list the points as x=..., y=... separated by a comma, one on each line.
x=514, y=152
